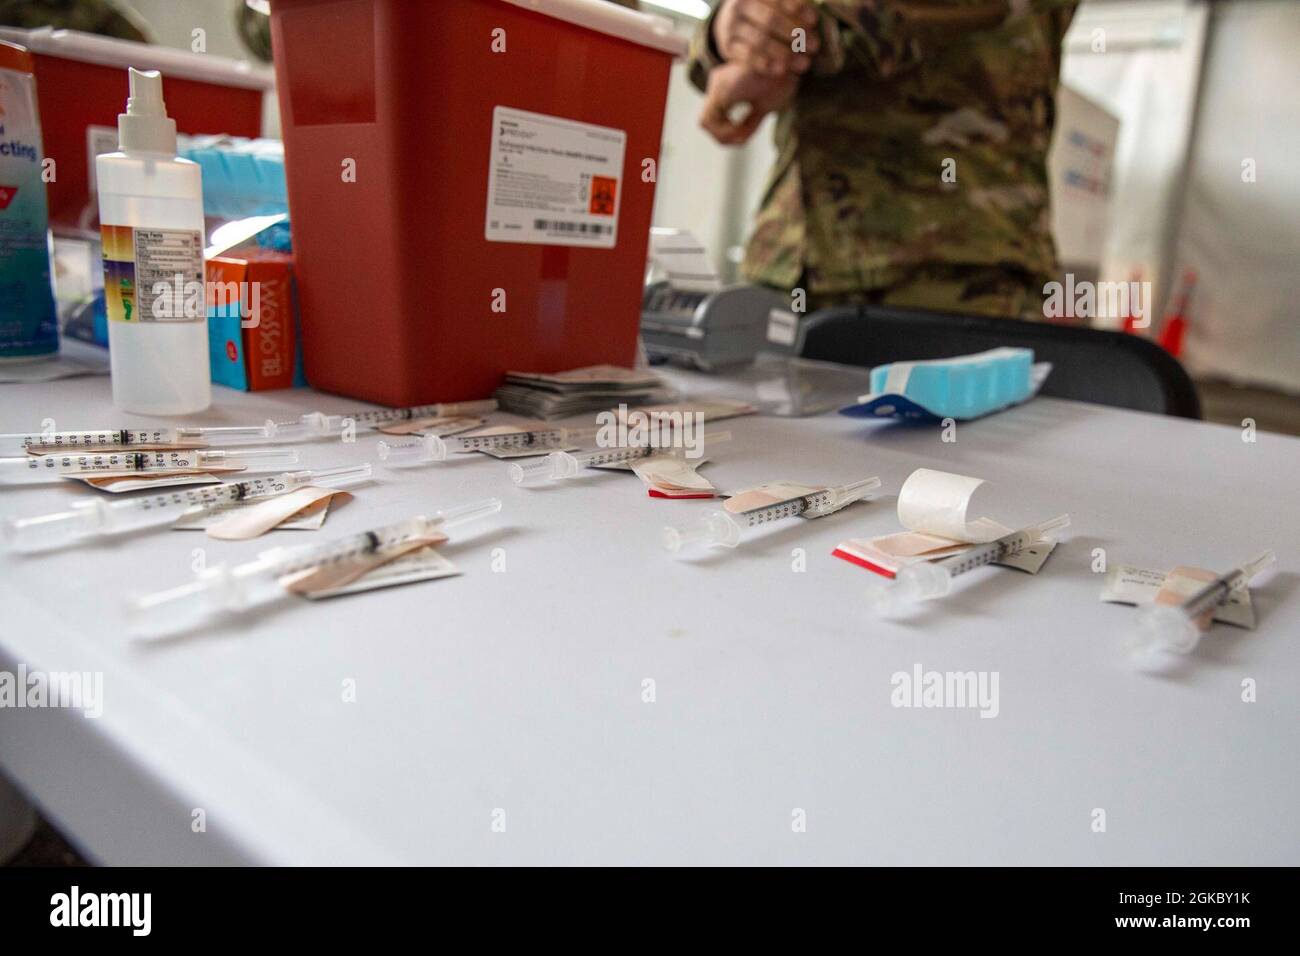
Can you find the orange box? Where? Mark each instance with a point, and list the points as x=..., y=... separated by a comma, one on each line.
x=252, y=321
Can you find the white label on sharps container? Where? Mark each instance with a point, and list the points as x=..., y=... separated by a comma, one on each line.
x=553, y=181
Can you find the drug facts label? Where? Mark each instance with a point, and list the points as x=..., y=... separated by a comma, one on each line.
x=153, y=275
x=553, y=181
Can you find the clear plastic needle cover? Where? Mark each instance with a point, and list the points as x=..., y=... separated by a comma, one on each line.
x=563, y=464
x=96, y=516
x=226, y=588
x=320, y=425
x=722, y=529
x=36, y=468
x=1166, y=632
x=926, y=580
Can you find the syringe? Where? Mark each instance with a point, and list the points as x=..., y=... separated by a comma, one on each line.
x=933, y=579
x=31, y=468
x=320, y=425
x=433, y=448
x=562, y=464
x=99, y=517
x=1166, y=630
x=227, y=589
x=18, y=443
x=721, y=529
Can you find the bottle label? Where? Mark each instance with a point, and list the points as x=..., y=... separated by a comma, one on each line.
x=28, y=323
x=153, y=275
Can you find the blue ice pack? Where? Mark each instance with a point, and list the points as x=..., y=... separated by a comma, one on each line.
x=241, y=178
x=967, y=386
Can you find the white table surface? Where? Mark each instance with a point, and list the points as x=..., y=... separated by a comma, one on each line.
x=522, y=691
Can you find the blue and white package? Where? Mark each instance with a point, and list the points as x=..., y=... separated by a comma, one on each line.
x=29, y=327
x=242, y=178
x=963, y=387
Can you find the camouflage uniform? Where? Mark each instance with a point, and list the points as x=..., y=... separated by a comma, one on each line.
x=857, y=208
x=89, y=16
x=255, y=30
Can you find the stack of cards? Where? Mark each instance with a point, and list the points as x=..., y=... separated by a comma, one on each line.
x=596, y=388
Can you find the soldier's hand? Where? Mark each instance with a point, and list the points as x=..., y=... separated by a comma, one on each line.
x=763, y=35
x=732, y=88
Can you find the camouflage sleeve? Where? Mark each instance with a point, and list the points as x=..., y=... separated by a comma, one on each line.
x=703, y=55
x=886, y=34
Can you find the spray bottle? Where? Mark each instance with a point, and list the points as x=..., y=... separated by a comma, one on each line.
x=151, y=218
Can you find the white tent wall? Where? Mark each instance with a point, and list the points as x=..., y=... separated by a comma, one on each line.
x=1140, y=60
x=710, y=190
x=1240, y=223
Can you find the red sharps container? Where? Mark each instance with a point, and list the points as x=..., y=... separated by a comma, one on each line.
x=470, y=186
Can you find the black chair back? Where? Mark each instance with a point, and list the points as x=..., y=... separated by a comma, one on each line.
x=1091, y=365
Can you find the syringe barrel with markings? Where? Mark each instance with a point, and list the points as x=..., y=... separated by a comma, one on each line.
x=37, y=468
x=226, y=588
x=99, y=517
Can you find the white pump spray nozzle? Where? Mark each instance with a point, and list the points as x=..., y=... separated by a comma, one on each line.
x=145, y=125
x=146, y=93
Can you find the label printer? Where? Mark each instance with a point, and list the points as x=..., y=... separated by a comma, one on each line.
x=688, y=317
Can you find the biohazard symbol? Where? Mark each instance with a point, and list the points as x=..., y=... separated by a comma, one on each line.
x=603, y=192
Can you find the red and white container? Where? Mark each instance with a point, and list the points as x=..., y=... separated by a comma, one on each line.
x=470, y=186
x=81, y=85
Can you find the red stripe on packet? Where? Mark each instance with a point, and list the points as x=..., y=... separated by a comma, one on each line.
x=861, y=562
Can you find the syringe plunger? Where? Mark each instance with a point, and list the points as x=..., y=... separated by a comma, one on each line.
x=556, y=465
x=82, y=519
x=428, y=448
x=450, y=517
x=716, y=529
x=189, y=605
x=915, y=582
x=1168, y=632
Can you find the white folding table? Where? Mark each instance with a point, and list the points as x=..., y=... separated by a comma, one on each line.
x=504, y=716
